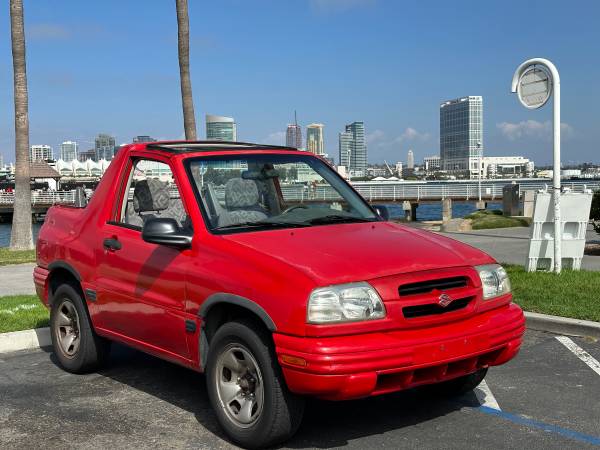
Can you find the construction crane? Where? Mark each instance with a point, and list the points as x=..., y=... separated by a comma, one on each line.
x=388, y=167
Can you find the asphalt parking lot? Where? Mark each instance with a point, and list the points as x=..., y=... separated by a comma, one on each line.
x=548, y=397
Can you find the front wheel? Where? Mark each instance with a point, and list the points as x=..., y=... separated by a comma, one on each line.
x=246, y=387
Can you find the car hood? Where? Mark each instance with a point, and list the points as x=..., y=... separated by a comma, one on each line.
x=343, y=253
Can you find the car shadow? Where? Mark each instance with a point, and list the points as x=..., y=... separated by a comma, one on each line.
x=335, y=424
x=326, y=424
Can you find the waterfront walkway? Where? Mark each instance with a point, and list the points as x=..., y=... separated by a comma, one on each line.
x=16, y=279
x=510, y=245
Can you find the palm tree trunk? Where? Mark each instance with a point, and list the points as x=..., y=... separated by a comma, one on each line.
x=21, y=237
x=183, y=41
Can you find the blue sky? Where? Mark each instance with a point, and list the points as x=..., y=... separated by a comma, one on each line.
x=111, y=66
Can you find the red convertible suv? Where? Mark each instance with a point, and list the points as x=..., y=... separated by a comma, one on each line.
x=263, y=268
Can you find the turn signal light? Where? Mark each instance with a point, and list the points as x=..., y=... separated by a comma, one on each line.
x=294, y=360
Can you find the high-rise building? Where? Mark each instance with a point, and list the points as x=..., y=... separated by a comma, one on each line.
x=314, y=139
x=1, y=161
x=41, y=153
x=105, y=147
x=461, y=135
x=410, y=160
x=68, y=151
x=353, y=149
x=220, y=128
x=293, y=135
x=87, y=154
x=143, y=139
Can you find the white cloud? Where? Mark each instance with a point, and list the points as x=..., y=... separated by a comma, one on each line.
x=410, y=134
x=44, y=31
x=375, y=136
x=332, y=6
x=531, y=129
x=378, y=138
x=276, y=138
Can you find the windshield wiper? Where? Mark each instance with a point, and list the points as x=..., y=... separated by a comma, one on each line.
x=335, y=218
x=261, y=224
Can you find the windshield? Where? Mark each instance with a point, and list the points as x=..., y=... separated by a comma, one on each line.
x=265, y=191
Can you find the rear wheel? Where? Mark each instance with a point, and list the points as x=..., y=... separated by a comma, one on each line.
x=76, y=345
x=461, y=385
x=246, y=387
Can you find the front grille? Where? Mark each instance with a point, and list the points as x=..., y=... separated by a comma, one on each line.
x=422, y=287
x=431, y=309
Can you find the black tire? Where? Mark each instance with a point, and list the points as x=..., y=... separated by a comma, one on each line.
x=461, y=385
x=92, y=350
x=281, y=412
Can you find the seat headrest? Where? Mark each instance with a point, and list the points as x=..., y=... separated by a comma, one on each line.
x=150, y=195
x=240, y=193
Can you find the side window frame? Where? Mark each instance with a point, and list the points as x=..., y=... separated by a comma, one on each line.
x=120, y=206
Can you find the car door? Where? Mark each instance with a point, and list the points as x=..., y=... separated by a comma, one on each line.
x=141, y=287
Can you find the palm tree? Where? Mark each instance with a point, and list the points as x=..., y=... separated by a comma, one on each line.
x=21, y=238
x=183, y=41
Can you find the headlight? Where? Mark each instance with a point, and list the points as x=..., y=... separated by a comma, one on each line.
x=494, y=280
x=344, y=303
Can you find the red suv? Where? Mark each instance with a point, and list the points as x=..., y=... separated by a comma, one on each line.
x=261, y=267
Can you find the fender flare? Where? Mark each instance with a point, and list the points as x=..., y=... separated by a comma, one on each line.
x=59, y=264
x=231, y=299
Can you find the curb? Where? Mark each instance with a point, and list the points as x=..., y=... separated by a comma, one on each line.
x=562, y=325
x=25, y=340
x=40, y=337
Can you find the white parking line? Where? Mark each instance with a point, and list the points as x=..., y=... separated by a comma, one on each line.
x=580, y=353
x=485, y=397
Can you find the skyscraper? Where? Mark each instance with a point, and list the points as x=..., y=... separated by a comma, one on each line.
x=220, y=128
x=1, y=161
x=314, y=139
x=293, y=135
x=68, y=151
x=353, y=149
x=41, y=153
x=143, y=138
x=410, y=160
x=105, y=147
x=461, y=135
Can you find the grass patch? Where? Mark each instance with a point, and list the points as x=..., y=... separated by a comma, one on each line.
x=22, y=312
x=570, y=294
x=486, y=219
x=16, y=256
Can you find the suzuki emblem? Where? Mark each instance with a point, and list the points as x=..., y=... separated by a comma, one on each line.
x=444, y=300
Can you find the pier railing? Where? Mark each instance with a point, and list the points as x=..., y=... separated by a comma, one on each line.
x=44, y=198
x=373, y=191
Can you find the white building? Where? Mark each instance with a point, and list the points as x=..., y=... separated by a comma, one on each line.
x=432, y=163
x=41, y=152
x=507, y=167
x=399, y=167
x=410, y=160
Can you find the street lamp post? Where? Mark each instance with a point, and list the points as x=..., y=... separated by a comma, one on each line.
x=479, y=171
x=535, y=81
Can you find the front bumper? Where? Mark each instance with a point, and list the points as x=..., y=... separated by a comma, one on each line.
x=354, y=366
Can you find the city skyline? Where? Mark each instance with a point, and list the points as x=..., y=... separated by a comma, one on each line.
x=410, y=61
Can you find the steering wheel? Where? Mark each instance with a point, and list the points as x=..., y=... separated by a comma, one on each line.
x=291, y=208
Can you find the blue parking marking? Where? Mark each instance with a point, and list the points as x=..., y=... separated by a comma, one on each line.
x=588, y=439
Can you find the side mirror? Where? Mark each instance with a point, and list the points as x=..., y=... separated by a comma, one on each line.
x=166, y=231
x=382, y=211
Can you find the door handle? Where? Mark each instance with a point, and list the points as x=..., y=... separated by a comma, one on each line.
x=112, y=244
